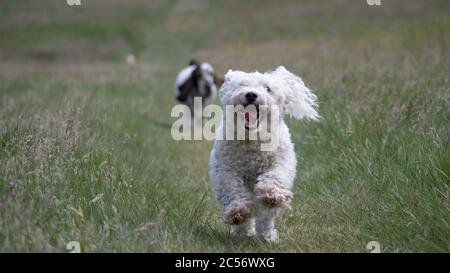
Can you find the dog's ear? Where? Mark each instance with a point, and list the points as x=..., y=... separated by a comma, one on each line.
x=227, y=79
x=228, y=75
x=300, y=102
x=184, y=90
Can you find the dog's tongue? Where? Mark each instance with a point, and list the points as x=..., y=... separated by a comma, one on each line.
x=250, y=117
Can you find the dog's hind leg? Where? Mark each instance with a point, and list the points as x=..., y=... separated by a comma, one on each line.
x=265, y=222
x=247, y=228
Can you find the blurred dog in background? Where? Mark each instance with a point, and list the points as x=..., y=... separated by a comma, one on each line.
x=197, y=80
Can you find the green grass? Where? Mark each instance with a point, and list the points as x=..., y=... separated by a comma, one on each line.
x=85, y=147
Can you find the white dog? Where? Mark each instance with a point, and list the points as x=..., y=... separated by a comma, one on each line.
x=254, y=185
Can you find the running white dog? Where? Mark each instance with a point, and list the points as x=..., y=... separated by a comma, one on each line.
x=254, y=185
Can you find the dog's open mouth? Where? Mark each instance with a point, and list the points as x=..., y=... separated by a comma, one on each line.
x=251, y=116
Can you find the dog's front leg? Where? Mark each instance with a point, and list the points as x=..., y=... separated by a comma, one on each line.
x=247, y=228
x=272, y=191
x=235, y=197
x=272, y=188
x=265, y=222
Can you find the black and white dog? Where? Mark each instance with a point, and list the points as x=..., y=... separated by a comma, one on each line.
x=197, y=80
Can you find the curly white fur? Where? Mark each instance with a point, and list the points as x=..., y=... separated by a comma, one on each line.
x=253, y=185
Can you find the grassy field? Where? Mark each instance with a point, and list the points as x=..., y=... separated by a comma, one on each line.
x=86, y=152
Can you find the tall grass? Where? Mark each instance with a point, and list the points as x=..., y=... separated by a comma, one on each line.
x=86, y=153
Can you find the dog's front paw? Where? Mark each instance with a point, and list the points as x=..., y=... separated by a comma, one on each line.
x=237, y=215
x=273, y=197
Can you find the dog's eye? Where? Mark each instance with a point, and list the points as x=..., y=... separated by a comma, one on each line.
x=268, y=88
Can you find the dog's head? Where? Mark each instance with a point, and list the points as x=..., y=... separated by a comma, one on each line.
x=198, y=79
x=279, y=87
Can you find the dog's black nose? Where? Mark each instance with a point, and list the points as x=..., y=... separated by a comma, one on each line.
x=251, y=97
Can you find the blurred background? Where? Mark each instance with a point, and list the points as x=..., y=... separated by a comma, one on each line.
x=85, y=148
